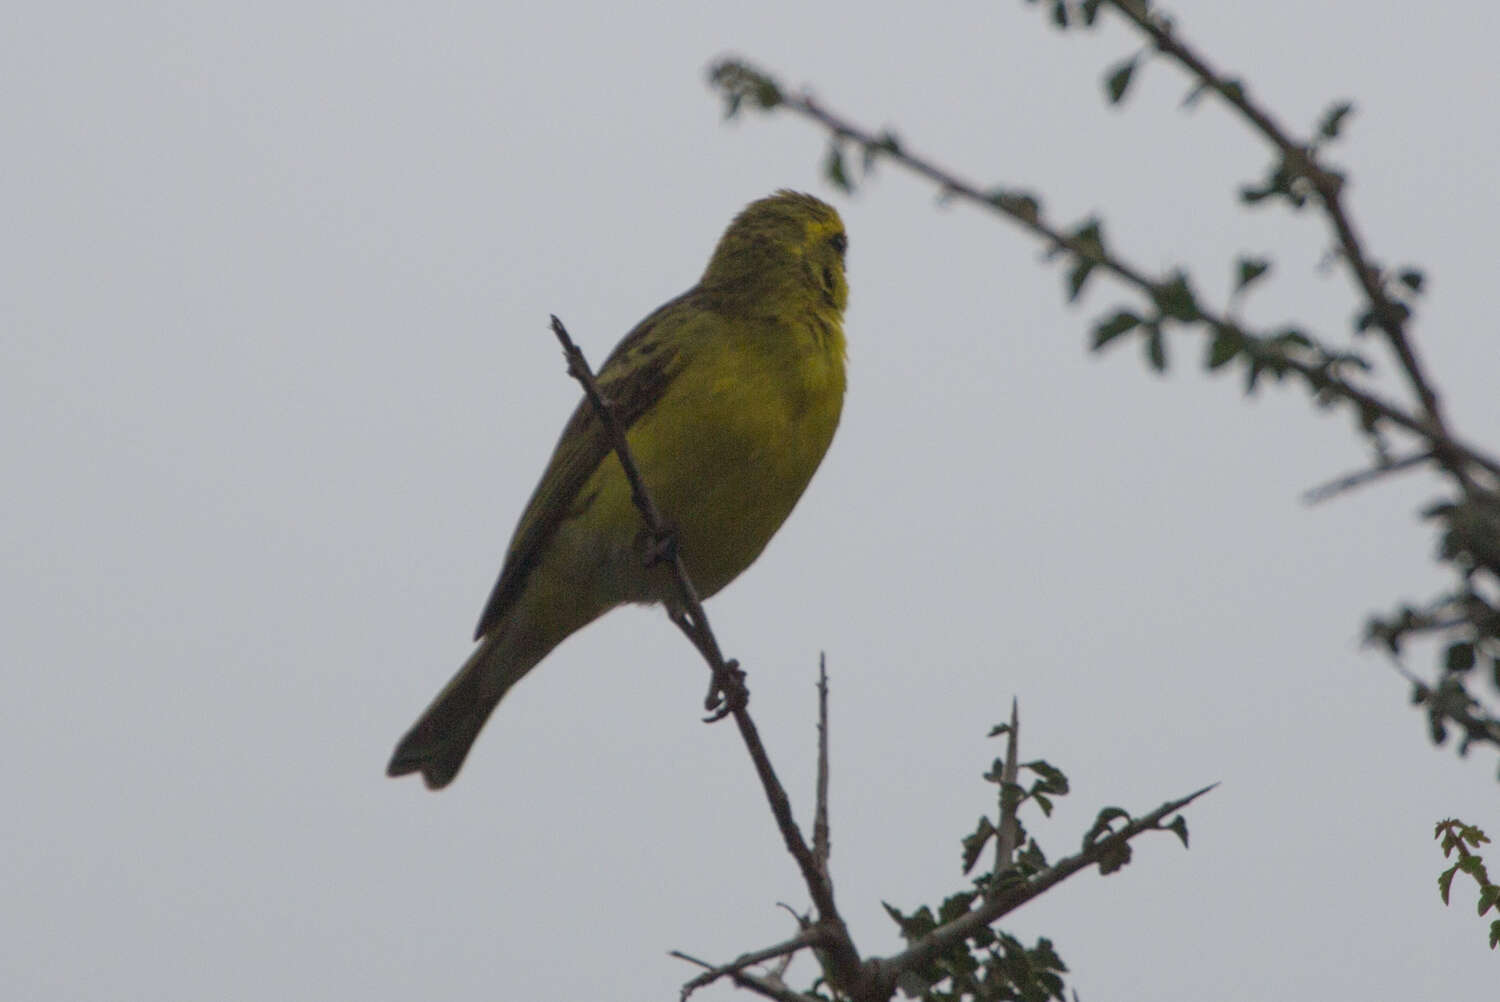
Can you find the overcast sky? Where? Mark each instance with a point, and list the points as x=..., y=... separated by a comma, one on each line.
x=275, y=382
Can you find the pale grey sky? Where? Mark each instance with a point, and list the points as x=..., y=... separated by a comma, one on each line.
x=275, y=382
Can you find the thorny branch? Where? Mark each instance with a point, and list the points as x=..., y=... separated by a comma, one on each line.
x=1469, y=525
x=1388, y=315
x=1024, y=212
x=692, y=620
x=1012, y=896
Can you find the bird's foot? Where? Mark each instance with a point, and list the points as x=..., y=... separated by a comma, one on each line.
x=726, y=693
x=661, y=547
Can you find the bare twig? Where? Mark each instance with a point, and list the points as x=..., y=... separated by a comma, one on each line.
x=1349, y=481
x=693, y=622
x=1011, y=897
x=809, y=936
x=821, y=846
x=768, y=987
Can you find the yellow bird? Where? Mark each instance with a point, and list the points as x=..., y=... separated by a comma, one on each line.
x=730, y=395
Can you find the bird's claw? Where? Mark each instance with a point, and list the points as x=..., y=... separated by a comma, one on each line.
x=726, y=693
x=661, y=547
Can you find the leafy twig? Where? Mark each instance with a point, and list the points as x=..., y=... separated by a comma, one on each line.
x=1171, y=296
x=1009, y=897
x=1456, y=837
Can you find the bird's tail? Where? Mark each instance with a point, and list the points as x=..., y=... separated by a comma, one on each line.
x=439, y=741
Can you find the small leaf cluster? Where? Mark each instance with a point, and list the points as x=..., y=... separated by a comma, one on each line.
x=1467, y=625
x=835, y=160
x=1075, y=14
x=1461, y=839
x=991, y=963
x=739, y=82
x=1469, y=527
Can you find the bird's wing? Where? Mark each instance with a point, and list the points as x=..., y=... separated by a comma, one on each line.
x=633, y=378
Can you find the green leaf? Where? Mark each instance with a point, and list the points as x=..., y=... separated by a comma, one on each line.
x=739, y=81
x=1087, y=245
x=1179, y=825
x=1233, y=89
x=1077, y=276
x=1050, y=778
x=1278, y=182
x=1118, y=81
x=1060, y=13
x=1021, y=204
x=974, y=844
x=1114, y=858
x=1333, y=119
x=1227, y=343
x=1445, y=881
x=1248, y=270
x=833, y=168
x=1107, y=330
x=1101, y=826
x=1489, y=895
x=914, y=926
x=1412, y=279
x=955, y=906
x=1460, y=657
x=1175, y=299
x=1156, y=348
x=1288, y=337
x=885, y=143
x=1252, y=374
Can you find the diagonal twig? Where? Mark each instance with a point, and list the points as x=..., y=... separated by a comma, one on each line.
x=768, y=987
x=811, y=936
x=821, y=845
x=693, y=621
x=1024, y=212
x=1349, y=481
x=1013, y=896
x=1386, y=314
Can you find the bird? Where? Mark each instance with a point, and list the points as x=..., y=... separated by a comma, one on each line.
x=729, y=394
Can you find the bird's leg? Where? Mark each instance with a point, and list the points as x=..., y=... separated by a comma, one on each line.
x=659, y=547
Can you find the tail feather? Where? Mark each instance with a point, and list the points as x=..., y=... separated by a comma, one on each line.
x=439, y=741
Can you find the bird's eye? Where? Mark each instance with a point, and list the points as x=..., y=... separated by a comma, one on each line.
x=840, y=242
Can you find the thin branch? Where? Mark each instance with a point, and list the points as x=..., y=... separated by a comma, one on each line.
x=1301, y=157
x=1349, y=481
x=1014, y=896
x=693, y=621
x=810, y=936
x=1368, y=404
x=689, y=617
x=761, y=986
x=821, y=847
